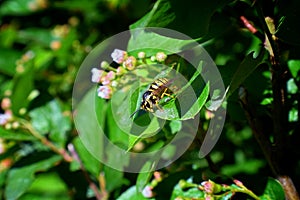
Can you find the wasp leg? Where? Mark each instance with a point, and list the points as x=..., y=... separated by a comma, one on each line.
x=165, y=93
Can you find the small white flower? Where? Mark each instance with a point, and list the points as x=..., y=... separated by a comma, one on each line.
x=119, y=55
x=147, y=192
x=96, y=75
x=4, y=118
x=104, y=92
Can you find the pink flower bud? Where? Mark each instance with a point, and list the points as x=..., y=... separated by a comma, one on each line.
x=161, y=56
x=130, y=63
x=208, y=186
x=238, y=183
x=111, y=75
x=209, y=198
x=5, y=103
x=158, y=176
x=106, y=80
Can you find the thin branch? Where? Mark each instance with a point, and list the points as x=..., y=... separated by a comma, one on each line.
x=45, y=141
x=92, y=185
x=279, y=87
x=259, y=135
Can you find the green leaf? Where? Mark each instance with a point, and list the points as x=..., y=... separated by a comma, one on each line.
x=151, y=43
x=23, y=84
x=15, y=135
x=175, y=126
x=201, y=100
x=8, y=35
x=19, y=179
x=42, y=57
x=8, y=60
x=189, y=193
x=132, y=194
x=273, y=190
x=89, y=119
x=159, y=16
x=91, y=164
x=43, y=37
x=144, y=178
x=114, y=178
x=18, y=7
x=151, y=129
x=49, y=186
x=249, y=166
x=49, y=119
x=294, y=67
x=245, y=69
x=115, y=134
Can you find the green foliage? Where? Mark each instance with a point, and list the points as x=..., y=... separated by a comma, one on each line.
x=43, y=155
x=20, y=178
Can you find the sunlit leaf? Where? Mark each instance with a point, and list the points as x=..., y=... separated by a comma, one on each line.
x=201, y=100
x=132, y=194
x=49, y=119
x=151, y=129
x=294, y=67
x=15, y=135
x=192, y=192
x=273, y=190
x=159, y=16
x=48, y=185
x=148, y=43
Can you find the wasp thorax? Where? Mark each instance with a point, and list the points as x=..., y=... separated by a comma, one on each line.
x=157, y=90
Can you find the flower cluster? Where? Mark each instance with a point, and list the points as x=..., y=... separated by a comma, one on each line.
x=212, y=190
x=108, y=77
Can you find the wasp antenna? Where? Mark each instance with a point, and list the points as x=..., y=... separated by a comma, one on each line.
x=134, y=113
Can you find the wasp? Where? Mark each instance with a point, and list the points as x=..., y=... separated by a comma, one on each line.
x=157, y=90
